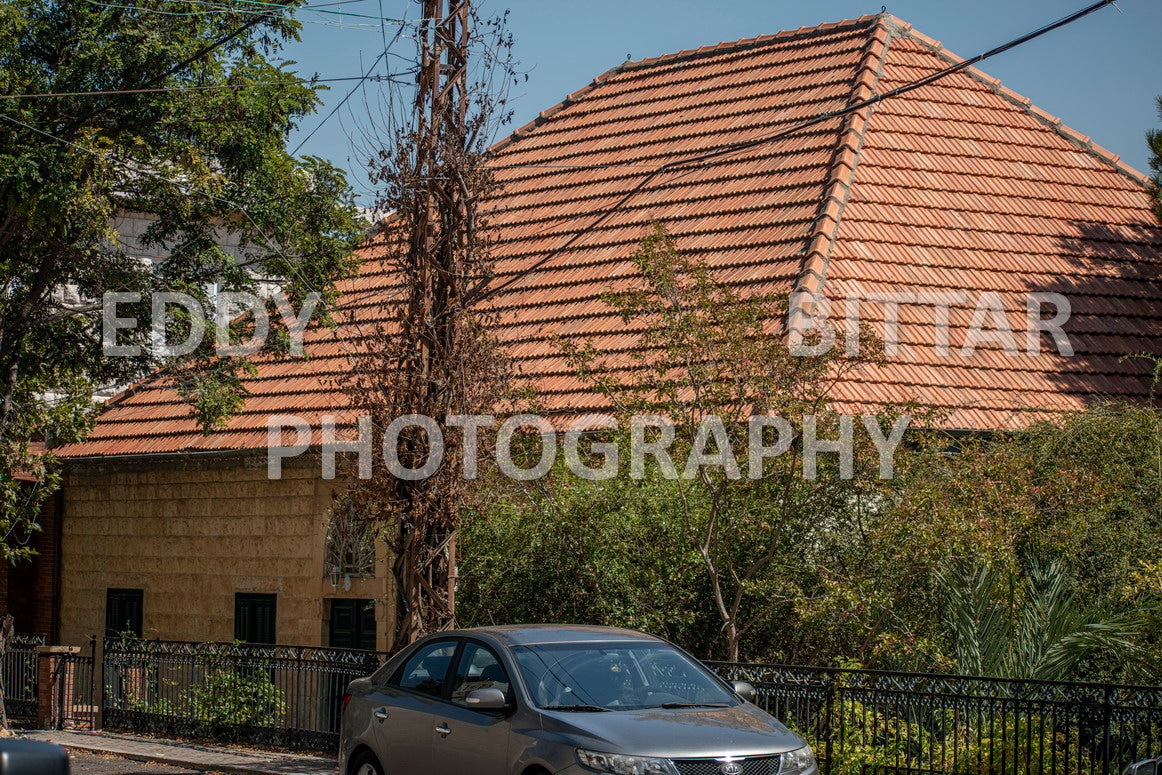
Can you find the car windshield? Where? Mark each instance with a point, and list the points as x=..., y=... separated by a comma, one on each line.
x=617, y=676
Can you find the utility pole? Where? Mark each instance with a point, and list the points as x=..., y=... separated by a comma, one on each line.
x=433, y=355
x=445, y=70
x=437, y=269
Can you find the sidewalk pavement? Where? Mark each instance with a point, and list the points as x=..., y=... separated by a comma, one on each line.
x=236, y=761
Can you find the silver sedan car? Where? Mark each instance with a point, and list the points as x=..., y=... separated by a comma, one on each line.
x=558, y=700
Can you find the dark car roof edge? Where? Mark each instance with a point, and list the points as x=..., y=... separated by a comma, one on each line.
x=542, y=634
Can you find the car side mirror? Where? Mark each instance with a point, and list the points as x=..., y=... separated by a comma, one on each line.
x=32, y=757
x=1147, y=767
x=744, y=689
x=486, y=699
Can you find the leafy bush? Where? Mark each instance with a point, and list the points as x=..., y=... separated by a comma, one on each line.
x=870, y=739
x=230, y=697
x=575, y=551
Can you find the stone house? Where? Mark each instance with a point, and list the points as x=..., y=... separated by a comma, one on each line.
x=961, y=189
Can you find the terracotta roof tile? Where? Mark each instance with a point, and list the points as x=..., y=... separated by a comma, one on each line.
x=962, y=186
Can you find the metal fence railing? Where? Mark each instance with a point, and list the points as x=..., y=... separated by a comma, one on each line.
x=18, y=672
x=860, y=722
x=273, y=695
x=74, y=705
x=865, y=721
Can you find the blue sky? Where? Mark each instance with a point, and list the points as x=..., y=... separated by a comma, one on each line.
x=1098, y=74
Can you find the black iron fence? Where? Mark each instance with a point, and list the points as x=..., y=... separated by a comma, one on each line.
x=272, y=695
x=18, y=673
x=865, y=721
x=74, y=696
x=859, y=721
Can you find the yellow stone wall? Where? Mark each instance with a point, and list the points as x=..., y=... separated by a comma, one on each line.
x=193, y=533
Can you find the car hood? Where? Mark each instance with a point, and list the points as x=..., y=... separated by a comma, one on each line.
x=742, y=730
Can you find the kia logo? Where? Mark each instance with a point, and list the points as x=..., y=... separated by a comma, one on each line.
x=731, y=768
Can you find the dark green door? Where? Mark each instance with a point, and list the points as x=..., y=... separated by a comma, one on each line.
x=352, y=624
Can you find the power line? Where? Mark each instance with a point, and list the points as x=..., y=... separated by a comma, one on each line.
x=217, y=6
x=205, y=87
x=361, y=80
x=367, y=76
x=655, y=169
x=182, y=65
x=611, y=165
x=730, y=148
x=337, y=2
x=383, y=31
x=359, y=26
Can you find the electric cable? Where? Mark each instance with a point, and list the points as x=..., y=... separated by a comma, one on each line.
x=730, y=148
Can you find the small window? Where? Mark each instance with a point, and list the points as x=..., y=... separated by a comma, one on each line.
x=254, y=618
x=123, y=612
x=426, y=671
x=479, y=668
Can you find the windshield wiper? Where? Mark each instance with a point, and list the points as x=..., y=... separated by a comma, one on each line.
x=669, y=705
x=582, y=708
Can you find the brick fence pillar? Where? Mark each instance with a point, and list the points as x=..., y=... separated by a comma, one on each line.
x=48, y=678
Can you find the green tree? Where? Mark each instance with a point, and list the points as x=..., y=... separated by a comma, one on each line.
x=716, y=364
x=198, y=143
x=867, y=580
x=562, y=549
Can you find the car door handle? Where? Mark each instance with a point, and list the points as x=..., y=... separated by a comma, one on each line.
x=444, y=729
x=381, y=714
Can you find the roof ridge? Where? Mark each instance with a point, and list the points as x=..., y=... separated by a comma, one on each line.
x=1084, y=142
x=808, y=286
x=685, y=54
x=747, y=43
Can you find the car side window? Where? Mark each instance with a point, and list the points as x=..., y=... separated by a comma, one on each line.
x=479, y=668
x=426, y=671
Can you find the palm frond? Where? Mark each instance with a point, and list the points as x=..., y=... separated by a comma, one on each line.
x=1033, y=627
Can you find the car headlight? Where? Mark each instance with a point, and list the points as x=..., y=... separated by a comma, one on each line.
x=798, y=761
x=620, y=764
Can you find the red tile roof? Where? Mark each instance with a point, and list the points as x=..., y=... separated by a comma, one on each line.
x=959, y=186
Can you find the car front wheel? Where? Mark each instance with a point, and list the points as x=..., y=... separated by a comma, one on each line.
x=366, y=764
